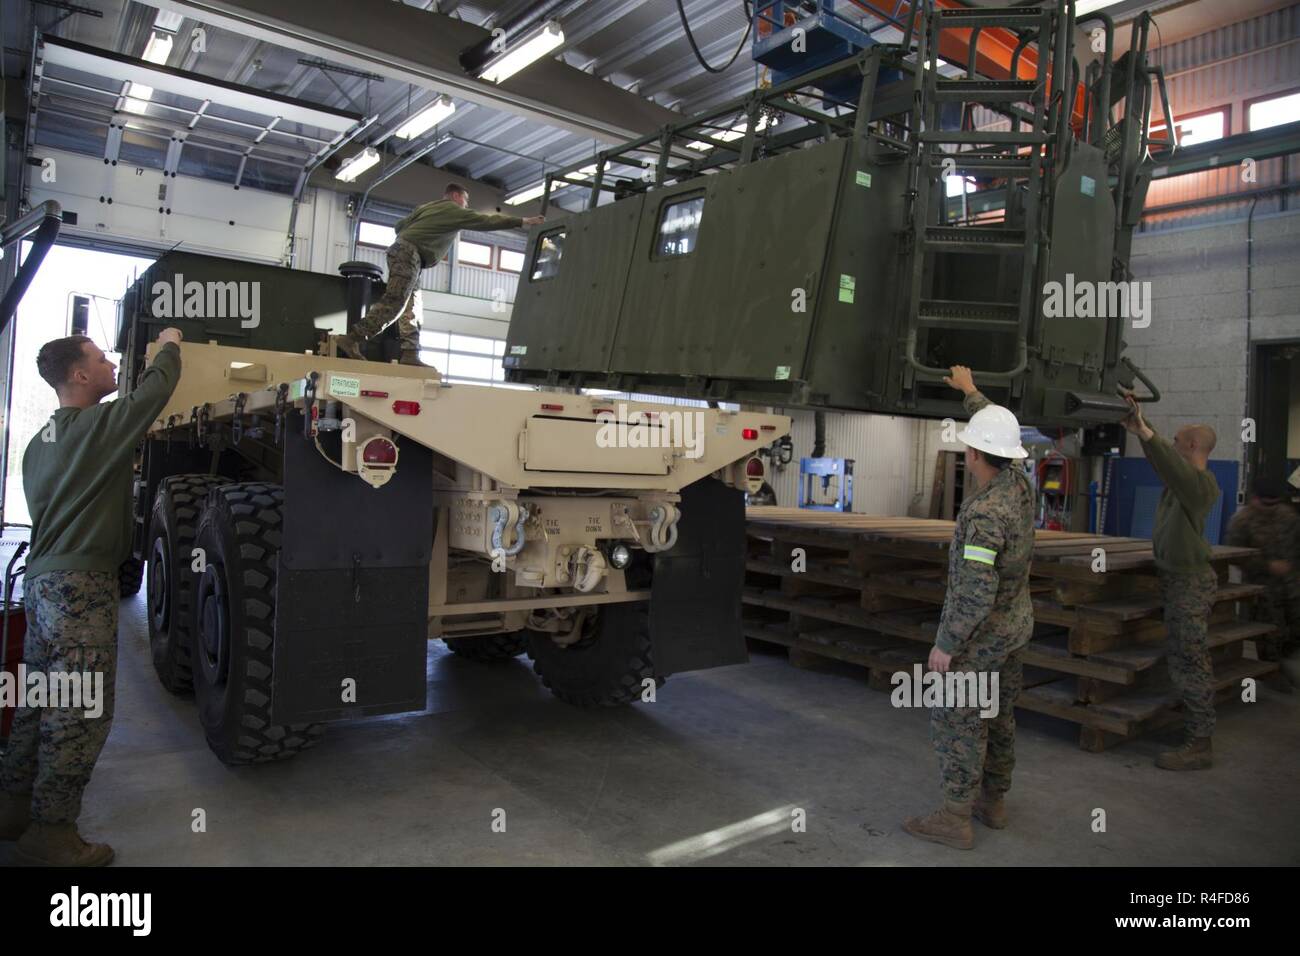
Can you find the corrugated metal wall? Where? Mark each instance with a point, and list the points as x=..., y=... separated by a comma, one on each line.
x=887, y=458
x=1229, y=67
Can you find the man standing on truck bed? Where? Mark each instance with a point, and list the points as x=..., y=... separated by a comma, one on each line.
x=987, y=620
x=1187, y=581
x=77, y=474
x=423, y=240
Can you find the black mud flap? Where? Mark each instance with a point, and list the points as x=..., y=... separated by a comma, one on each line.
x=695, y=598
x=352, y=600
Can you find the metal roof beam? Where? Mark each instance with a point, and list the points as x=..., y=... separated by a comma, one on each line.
x=422, y=47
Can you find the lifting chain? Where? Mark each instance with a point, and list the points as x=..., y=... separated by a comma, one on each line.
x=237, y=422
x=309, y=412
x=281, y=410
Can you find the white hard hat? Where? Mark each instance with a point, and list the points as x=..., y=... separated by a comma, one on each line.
x=993, y=429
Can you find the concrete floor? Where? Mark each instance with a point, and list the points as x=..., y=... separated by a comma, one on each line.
x=708, y=774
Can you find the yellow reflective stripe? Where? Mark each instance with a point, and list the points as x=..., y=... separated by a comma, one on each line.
x=982, y=555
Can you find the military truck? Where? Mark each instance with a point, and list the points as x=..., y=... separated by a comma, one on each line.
x=309, y=522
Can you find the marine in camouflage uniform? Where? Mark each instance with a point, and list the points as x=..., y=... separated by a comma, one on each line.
x=986, y=622
x=987, y=619
x=71, y=629
x=423, y=239
x=401, y=295
x=78, y=477
x=1187, y=581
x=1271, y=525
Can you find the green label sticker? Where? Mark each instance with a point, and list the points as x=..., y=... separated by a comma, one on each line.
x=342, y=387
x=519, y=350
x=1087, y=185
x=863, y=179
x=295, y=389
x=847, y=286
x=782, y=372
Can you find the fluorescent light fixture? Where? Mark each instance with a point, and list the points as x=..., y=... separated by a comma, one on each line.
x=586, y=172
x=526, y=195
x=533, y=48
x=137, y=97
x=358, y=164
x=736, y=132
x=159, y=48
x=427, y=118
x=168, y=20
x=1092, y=6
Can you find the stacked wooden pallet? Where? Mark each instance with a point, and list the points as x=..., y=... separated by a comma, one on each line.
x=869, y=589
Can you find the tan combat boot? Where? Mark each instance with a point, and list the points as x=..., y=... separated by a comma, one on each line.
x=349, y=346
x=949, y=825
x=59, y=844
x=15, y=814
x=991, y=810
x=1193, y=755
x=411, y=357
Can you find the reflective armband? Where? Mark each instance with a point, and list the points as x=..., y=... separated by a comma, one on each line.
x=982, y=555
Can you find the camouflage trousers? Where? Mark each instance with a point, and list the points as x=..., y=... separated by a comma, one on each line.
x=1280, y=606
x=401, y=299
x=71, y=628
x=974, y=749
x=1188, y=599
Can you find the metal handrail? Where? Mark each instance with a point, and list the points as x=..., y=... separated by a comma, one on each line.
x=935, y=370
x=44, y=220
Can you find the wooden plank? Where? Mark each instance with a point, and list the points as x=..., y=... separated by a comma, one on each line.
x=1141, y=658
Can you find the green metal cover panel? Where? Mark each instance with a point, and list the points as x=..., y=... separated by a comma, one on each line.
x=568, y=320
x=855, y=326
x=724, y=310
x=1084, y=221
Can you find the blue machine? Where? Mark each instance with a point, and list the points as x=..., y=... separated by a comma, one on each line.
x=826, y=469
x=794, y=37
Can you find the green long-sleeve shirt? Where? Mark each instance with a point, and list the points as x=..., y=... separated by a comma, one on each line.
x=432, y=228
x=1178, y=539
x=77, y=475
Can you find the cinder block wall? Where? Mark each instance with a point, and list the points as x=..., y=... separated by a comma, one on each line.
x=1195, y=348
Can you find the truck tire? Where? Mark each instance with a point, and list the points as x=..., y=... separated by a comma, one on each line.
x=172, y=526
x=234, y=627
x=608, y=667
x=130, y=575
x=498, y=647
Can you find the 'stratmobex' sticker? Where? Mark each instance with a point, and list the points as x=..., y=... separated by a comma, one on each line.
x=345, y=387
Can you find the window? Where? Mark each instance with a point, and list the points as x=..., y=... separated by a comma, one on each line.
x=953, y=185
x=508, y=260
x=463, y=358
x=1197, y=128
x=1273, y=111
x=546, y=257
x=474, y=253
x=679, y=226
x=374, y=234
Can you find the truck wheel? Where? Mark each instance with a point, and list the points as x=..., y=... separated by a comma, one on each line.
x=234, y=627
x=607, y=667
x=172, y=526
x=130, y=575
x=498, y=647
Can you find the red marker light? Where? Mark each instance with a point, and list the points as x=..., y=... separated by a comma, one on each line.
x=371, y=393
x=754, y=468
x=749, y=433
x=552, y=408
x=766, y=428
x=406, y=408
x=379, y=451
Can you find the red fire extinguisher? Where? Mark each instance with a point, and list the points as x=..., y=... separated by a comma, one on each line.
x=12, y=633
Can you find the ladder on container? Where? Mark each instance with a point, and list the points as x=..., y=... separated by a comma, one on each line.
x=1017, y=153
